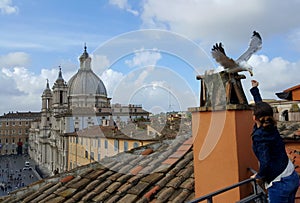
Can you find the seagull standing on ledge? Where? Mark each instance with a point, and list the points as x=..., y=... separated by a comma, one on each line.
x=233, y=66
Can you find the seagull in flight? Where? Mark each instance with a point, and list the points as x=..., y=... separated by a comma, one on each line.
x=233, y=66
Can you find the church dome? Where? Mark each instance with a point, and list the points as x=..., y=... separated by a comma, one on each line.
x=85, y=81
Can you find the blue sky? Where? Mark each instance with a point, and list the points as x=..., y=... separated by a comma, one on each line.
x=146, y=52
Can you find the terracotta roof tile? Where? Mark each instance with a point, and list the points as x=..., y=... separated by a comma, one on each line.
x=105, y=175
x=67, y=192
x=102, y=196
x=138, y=189
x=92, y=185
x=183, y=194
x=164, y=194
x=33, y=196
x=78, y=195
x=188, y=184
x=147, y=151
x=175, y=182
x=53, y=188
x=126, y=177
x=80, y=184
x=66, y=179
x=94, y=174
x=47, y=198
x=102, y=186
x=113, y=187
x=124, y=188
x=178, y=154
x=113, y=199
x=136, y=170
x=151, y=192
x=152, y=178
x=185, y=147
x=70, y=201
x=55, y=200
x=170, y=161
x=129, y=198
x=88, y=197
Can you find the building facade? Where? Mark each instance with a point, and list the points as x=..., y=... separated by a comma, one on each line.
x=97, y=142
x=67, y=108
x=14, y=132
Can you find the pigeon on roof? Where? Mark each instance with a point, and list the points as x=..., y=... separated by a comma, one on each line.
x=232, y=66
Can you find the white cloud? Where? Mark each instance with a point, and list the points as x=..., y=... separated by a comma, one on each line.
x=111, y=79
x=99, y=63
x=6, y=7
x=144, y=58
x=214, y=20
x=22, y=88
x=14, y=59
x=274, y=75
x=124, y=5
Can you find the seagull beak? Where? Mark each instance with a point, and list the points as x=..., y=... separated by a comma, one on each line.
x=251, y=73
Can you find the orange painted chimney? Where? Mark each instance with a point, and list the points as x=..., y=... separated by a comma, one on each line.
x=221, y=129
x=222, y=151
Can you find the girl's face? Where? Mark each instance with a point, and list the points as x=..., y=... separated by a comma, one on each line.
x=256, y=121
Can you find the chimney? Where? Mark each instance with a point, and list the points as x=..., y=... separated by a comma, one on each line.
x=221, y=129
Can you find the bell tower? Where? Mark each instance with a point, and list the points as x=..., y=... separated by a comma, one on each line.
x=60, y=89
x=46, y=107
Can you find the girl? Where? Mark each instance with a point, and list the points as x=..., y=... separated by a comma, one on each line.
x=275, y=168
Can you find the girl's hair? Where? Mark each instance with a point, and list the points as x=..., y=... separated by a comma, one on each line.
x=264, y=113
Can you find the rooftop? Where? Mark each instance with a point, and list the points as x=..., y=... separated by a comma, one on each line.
x=162, y=172
x=159, y=172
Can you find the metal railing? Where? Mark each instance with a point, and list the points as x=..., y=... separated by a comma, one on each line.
x=258, y=196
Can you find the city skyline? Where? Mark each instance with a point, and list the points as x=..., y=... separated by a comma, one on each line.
x=40, y=37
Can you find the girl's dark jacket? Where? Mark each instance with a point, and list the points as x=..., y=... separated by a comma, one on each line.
x=268, y=147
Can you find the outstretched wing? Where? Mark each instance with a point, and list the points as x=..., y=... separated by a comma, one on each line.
x=218, y=53
x=254, y=45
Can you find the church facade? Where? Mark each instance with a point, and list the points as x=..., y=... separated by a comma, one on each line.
x=69, y=107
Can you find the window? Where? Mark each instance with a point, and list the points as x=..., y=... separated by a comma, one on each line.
x=99, y=157
x=135, y=144
x=99, y=142
x=92, y=156
x=86, y=154
x=116, y=145
x=105, y=144
x=125, y=146
x=60, y=97
x=20, y=123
